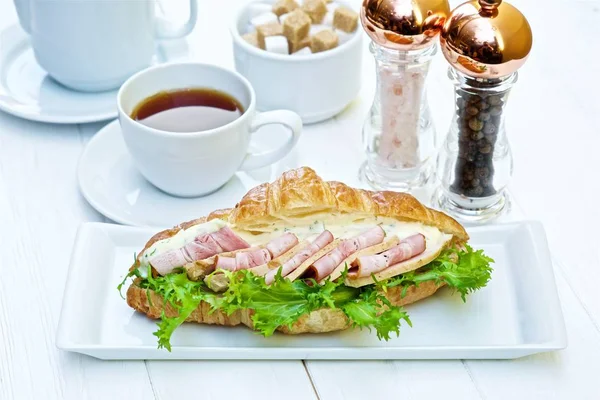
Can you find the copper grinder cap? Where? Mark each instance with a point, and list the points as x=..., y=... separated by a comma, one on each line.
x=404, y=24
x=486, y=39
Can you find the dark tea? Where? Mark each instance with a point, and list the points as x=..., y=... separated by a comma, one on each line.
x=188, y=110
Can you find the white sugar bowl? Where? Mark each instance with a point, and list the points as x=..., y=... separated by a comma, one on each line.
x=317, y=86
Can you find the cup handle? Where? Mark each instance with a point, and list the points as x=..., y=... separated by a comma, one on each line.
x=289, y=119
x=168, y=30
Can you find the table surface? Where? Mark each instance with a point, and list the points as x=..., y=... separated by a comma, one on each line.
x=553, y=128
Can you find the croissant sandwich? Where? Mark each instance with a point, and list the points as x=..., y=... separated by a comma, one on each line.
x=301, y=255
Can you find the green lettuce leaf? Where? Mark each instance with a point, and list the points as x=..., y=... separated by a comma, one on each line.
x=183, y=294
x=372, y=309
x=283, y=302
x=463, y=270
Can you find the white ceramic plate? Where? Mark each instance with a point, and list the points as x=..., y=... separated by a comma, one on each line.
x=28, y=92
x=111, y=183
x=516, y=315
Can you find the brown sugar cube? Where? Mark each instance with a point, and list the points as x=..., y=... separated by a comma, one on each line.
x=296, y=26
x=324, y=40
x=345, y=19
x=296, y=46
x=284, y=6
x=266, y=30
x=316, y=10
x=251, y=38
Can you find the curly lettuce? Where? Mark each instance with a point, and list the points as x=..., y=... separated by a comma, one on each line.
x=283, y=302
x=464, y=270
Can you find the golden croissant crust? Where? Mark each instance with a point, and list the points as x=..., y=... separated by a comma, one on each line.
x=297, y=194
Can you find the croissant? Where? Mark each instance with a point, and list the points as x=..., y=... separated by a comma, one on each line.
x=305, y=230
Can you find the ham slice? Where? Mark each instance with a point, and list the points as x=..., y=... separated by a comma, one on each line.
x=328, y=263
x=406, y=249
x=251, y=259
x=243, y=260
x=321, y=241
x=228, y=240
x=227, y=263
x=169, y=260
x=203, y=246
x=282, y=244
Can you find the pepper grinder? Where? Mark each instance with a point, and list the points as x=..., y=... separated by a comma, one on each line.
x=398, y=135
x=485, y=42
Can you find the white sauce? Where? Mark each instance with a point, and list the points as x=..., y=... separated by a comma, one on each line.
x=304, y=228
x=180, y=239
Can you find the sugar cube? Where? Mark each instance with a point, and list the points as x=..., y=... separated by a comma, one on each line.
x=251, y=38
x=296, y=26
x=264, y=31
x=324, y=40
x=276, y=44
x=262, y=19
x=284, y=6
x=283, y=17
x=316, y=10
x=297, y=46
x=345, y=19
x=302, y=52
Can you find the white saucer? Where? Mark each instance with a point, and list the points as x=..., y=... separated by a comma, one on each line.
x=110, y=182
x=28, y=92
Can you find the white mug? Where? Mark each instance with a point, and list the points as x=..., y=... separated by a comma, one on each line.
x=95, y=45
x=197, y=163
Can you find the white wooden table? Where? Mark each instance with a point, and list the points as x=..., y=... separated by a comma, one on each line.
x=553, y=124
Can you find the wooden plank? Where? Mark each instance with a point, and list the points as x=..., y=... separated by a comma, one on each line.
x=231, y=379
x=347, y=380
x=40, y=210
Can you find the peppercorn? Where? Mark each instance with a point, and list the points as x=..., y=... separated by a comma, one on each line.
x=472, y=110
x=484, y=116
x=475, y=124
x=495, y=111
x=482, y=172
x=486, y=149
x=489, y=128
x=494, y=100
x=477, y=135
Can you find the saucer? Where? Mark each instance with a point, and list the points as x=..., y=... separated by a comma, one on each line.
x=110, y=182
x=28, y=92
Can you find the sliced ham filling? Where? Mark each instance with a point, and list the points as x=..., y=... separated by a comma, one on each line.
x=407, y=248
x=326, y=264
x=258, y=256
x=244, y=260
x=282, y=244
x=321, y=241
x=203, y=246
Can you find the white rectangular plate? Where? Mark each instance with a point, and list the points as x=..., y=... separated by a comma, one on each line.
x=517, y=314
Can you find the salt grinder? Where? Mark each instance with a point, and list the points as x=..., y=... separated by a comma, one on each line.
x=485, y=42
x=398, y=134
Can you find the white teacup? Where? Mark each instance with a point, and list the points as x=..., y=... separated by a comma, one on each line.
x=95, y=45
x=198, y=163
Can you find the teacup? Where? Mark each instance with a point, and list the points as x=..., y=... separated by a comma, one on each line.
x=95, y=45
x=191, y=164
